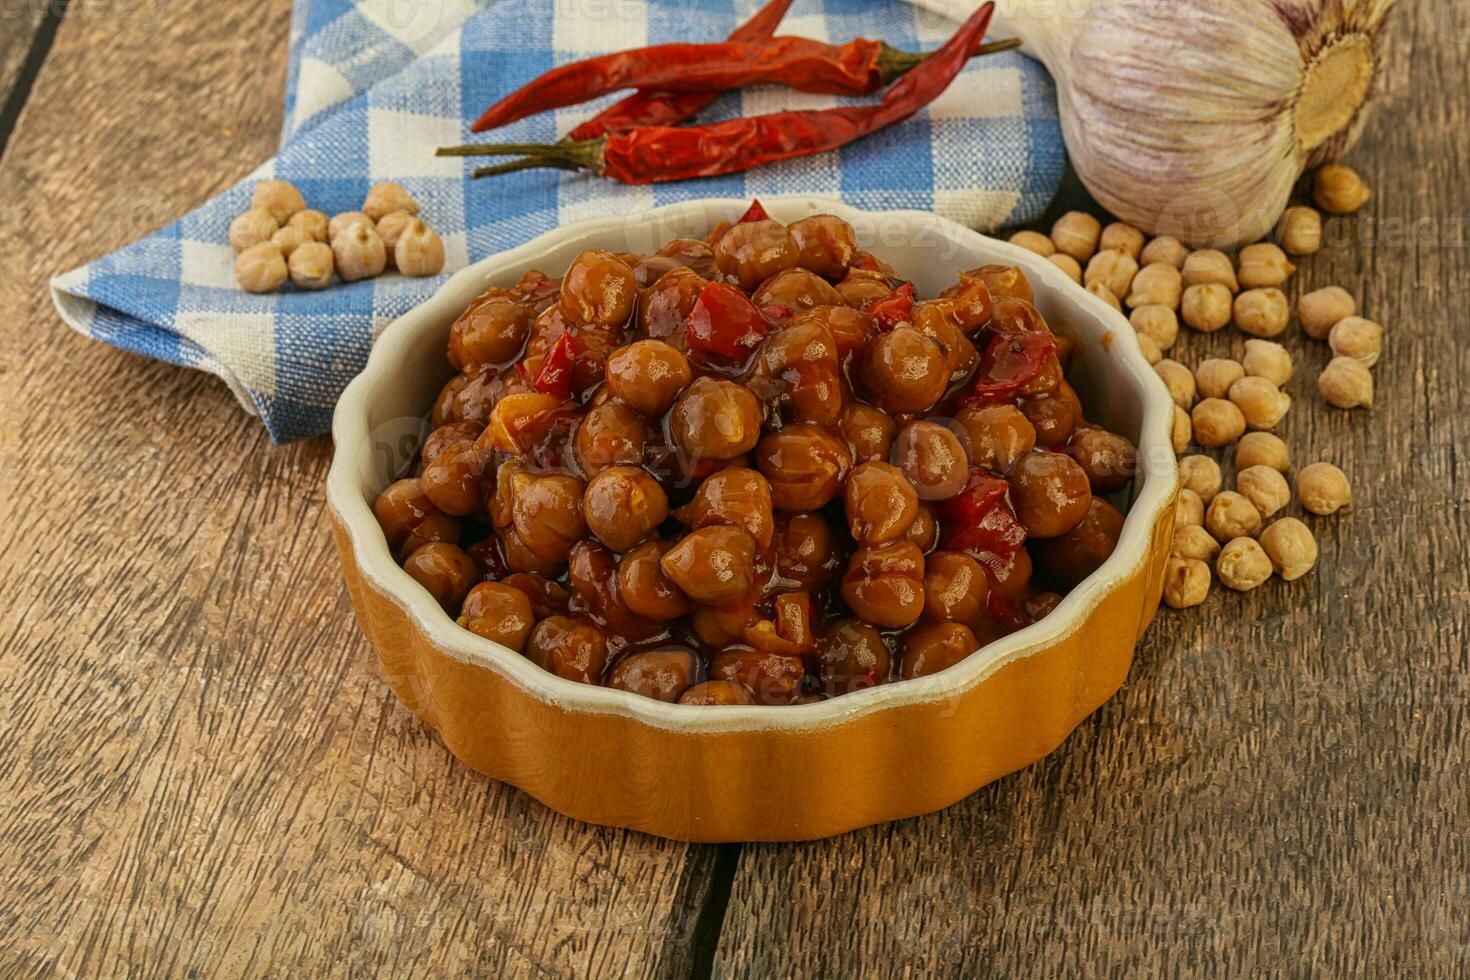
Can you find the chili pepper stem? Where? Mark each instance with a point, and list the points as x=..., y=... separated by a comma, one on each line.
x=894, y=62
x=527, y=163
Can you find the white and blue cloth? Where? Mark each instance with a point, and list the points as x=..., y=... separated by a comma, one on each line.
x=375, y=85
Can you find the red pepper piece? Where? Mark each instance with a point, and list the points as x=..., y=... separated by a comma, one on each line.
x=979, y=518
x=555, y=376
x=756, y=212
x=1007, y=613
x=724, y=322
x=1009, y=363
x=895, y=308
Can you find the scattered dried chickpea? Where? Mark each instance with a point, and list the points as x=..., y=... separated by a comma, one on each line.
x=279, y=197
x=1346, y=383
x=1216, y=422
x=312, y=225
x=358, y=252
x=1300, y=230
x=1321, y=309
x=311, y=265
x=1261, y=403
x=1157, y=321
x=419, y=251
x=251, y=228
x=1214, y=375
x=340, y=222
x=1149, y=347
x=1262, y=312
x=1323, y=488
x=1265, y=359
x=1067, y=264
x=1182, y=433
x=1339, y=190
x=1102, y=292
x=386, y=198
x=1157, y=284
x=389, y=227
x=1186, y=582
x=1113, y=269
x=1231, y=515
x=287, y=239
x=1358, y=338
x=1207, y=266
x=1291, y=547
x=1076, y=233
x=1034, y=241
x=1242, y=564
x=1122, y=237
x=1189, y=509
x=1193, y=541
x=1206, y=306
x=260, y=268
x=1179, y=380
x=1264, y=487
x=1165, y=248
x=1263, y=264
x=1262, y=449
x=1201, y=474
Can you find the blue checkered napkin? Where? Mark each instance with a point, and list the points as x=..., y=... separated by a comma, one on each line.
x=375, y=86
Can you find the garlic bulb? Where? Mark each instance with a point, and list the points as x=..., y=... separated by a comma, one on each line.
x=1195, y=119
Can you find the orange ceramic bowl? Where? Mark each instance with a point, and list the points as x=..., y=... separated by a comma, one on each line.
x=754, y=773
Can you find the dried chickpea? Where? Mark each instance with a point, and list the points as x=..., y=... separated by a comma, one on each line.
x=1186, y=582
x=287, y=239
x=1262, y=312
x=1262, y=449
x=1338, y=189
x=1165, y=248
x=1102, y=292
x=311, y=265
x=1206, y=306
x=359, y=252
x=1231, y=515
x=419, y=251
x=252, y=228
x=1122, y=237
x=1067, y=264
x=386, y=198
x=390, y=226
x=1178, y=379
x=260, y=268
x=1149, y=347
x=1261, y=403
x=1034, y=241
x=1214, y=375
x=1321, y=309
x=1216, y=422
x=342, y=220
x=1263, y=265
x=1242, y=564
x=1346, y=383
x=279, y=197
x=1264, y=359
x=1182, y=433
x=1193, y=541
x=1189, y=509
x=1209, y=266
x=1157, y=321
x=1358, y=338
x=1156, y=284
x=1264, y=487
x=1201, y=474
x=1291, y=547
x=311, y=224
x=1076, y=233
x=1323, y=488
x=1113, y=269
x=1300, y=230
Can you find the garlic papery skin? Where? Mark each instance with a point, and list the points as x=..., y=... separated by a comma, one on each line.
x=1195, y=118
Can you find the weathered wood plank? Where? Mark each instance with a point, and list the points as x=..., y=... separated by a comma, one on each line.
x=19, y=23
x=202, y=770
x=1282, y=785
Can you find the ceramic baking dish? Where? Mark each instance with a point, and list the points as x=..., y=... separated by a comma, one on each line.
x=736, y=772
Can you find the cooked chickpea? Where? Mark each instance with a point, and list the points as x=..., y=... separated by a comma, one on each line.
x=1206, y=306
x=385, y=198
x=1265, y=487
x=664, y=674
x=499, y=612
x=312, y=225
x=1209, y=266
x=1108, y=459
x=1321, y=309
x=1263, y=265
x=715, y=419
x=718, y=692
x=1166, y=249
x=1066, y=560
x=805, y=464
x=713, y=565
x=796, y=289
x=955, y=587
x=1189, y=509
x=1076, y=234
x=1034, y=241
x=1358, y=338
x=905, y=371
x=806, y=551
x=1157, y=284
x=343, y=220
x=1113, y=269
x=851, y=655
x=252, y=228
x=455, y=479
x=998, y=435
x=445, y=570
x=1337, y=189
x=1186, y=582
x=924, y=532
x=1122, y=237
x=1100, y=289
x=773, y=678
x=568, y=647
x=1149, y=348
x=547, y=514
x=1323, y=488
x=734, y=495
x=1262, y=449
x=1214, y=375
x=753, y=251
x=1181, y=434
x=623, y=505
x=884, y=584
x=1346, y=383
x=1300, y=230
x=880, y=503
x=1158, y=322
x=359, y=253
x=1291, y=547
x=279, y=197
x=1262, y=312
x=647, y=376
x=1261, y=403
x=935, y=646
x=1231, y=515
x=1193, y=541
x=932, y=458
x=1268, y=360
x=1242, y=564
x=869, y=431
x=1070, y=266
x=826, y=245
x=1050, y=493
x=599, y=289
x=1201, y=474
x=419, y=251
x=260, y=268
x=489, y=333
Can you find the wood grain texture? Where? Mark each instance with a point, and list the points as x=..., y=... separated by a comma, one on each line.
x=202, y=771
x=1283, y=785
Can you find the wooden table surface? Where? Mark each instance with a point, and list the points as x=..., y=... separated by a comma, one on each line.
x=202, y=772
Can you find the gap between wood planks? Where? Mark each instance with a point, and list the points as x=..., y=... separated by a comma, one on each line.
x=42, y=35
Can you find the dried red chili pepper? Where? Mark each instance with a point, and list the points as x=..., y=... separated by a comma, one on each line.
x=664, y=153
x=895, y=308
x=555, y=376
x=725, y=322
x=756, y=212
x=664, y=108
x=1010, y=361
x=979, y=519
